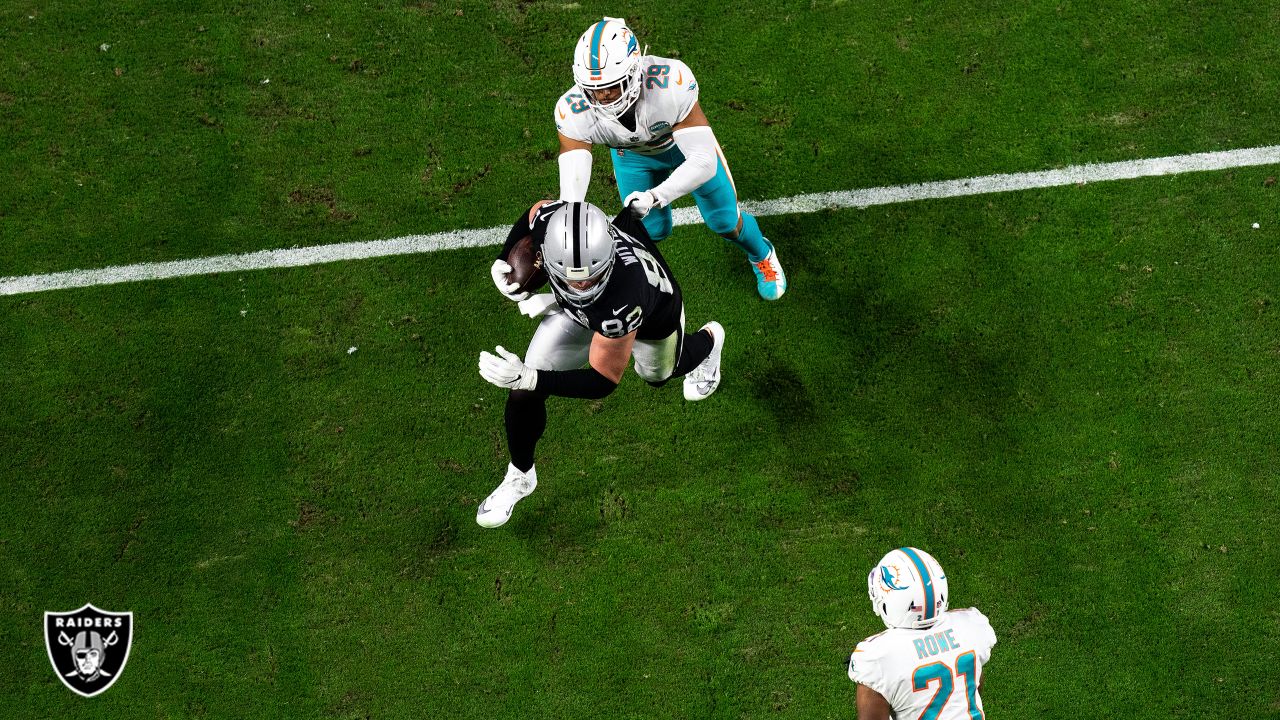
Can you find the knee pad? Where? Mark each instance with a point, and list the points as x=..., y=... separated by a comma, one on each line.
x=657, y=377
x=722, y=221
x=658, y=223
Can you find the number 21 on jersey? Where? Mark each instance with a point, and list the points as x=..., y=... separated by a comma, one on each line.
x=925, y=675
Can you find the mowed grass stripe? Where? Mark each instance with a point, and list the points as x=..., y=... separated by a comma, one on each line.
x=413, y=244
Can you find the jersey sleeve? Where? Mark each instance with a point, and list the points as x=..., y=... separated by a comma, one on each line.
x=571, y=117
x=684, y=90
x=627, y=222
x=518, y=231
x=867, y=668
x=978, y=629
x=542, y=217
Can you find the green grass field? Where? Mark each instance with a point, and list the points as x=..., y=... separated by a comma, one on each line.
x=1068, y=396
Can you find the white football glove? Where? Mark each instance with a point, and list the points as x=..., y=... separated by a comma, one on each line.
x=507, y=371
x=539, y=305
x=499, y=273
x=641, y=202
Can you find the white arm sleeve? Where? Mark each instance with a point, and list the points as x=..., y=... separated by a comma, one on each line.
x=698, y=144
x=575, y=174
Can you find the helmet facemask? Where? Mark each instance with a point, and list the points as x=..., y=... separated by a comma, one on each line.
x=619, y=95
x=577, y=292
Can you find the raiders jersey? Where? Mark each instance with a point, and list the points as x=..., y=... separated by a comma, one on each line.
x=640, y=294
x=937, y=669
x=667, y=93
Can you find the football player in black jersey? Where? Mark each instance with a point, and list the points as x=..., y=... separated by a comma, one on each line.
x=614, y=299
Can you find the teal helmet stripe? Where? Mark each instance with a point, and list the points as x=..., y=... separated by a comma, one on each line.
x=595, y=45
x=924, y=575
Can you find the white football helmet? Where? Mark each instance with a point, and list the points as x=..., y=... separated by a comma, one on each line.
x=908, y=589
x=577, y=252
x=608, y=56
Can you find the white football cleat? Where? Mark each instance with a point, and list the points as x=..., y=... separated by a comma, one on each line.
x=699, y=384
x=496, y=509
x=771, y=281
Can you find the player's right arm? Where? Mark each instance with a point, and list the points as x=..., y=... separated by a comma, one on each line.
x=608, y=359
x=609, y=356
x=573, y=125
x=866, y=668
x=531, y=223
x=871, y=704
x=498, y=271
x=575, y=168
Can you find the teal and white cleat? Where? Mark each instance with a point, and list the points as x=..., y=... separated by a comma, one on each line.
x=771, y=281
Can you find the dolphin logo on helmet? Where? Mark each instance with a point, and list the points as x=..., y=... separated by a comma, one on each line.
x=889, y=575
x=908, y=589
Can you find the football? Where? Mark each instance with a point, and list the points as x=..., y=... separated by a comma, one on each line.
x=526, y=266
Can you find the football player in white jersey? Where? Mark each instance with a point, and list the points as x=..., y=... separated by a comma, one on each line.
x=929, y=663
x=645, y=109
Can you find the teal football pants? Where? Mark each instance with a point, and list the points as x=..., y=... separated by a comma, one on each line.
x=717, y=198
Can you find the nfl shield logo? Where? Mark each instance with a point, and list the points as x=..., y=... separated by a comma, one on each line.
x=88, y=647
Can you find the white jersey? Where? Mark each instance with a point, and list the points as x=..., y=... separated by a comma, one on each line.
x=667, y=94
x=938, y=668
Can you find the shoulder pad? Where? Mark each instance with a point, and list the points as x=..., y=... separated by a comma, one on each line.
x=571, y=116
x=864, y=667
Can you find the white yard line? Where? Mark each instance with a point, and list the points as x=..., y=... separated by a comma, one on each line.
x=297, y=257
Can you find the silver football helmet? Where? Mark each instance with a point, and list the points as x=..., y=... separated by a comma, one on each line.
x=578, y=252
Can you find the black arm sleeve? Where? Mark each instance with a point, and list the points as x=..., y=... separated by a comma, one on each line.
x=586, y=383
x=522, y=227
x=518, y=231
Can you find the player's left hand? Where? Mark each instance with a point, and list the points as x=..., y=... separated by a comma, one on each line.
x=641, y=202
x=499, y=272
x=507, y=371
